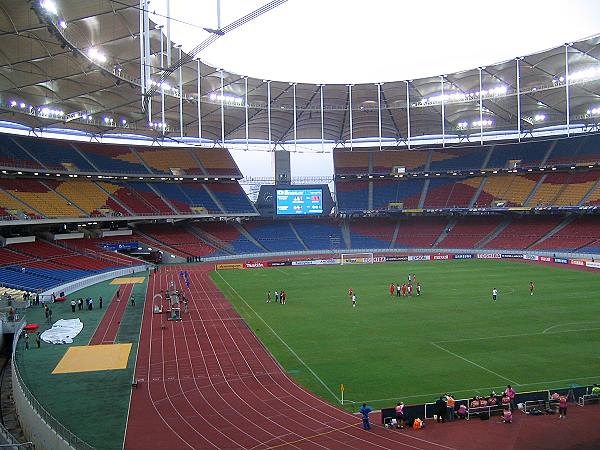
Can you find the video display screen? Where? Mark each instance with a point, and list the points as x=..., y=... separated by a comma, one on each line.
x=299, y=201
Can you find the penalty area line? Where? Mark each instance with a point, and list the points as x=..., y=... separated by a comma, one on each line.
x=475, y=364
x=281, y=339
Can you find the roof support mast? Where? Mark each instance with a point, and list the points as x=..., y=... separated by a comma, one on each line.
x=408, y=111
x=180, y=94
x=567, y=88
x=322, y=121
x=518, y=97
x=379, y=111
x=198, y=92
x=147, y=60
x=350, y=114
x=480, y=106
x=443, y=112
x=162, y=83
x=142, y=55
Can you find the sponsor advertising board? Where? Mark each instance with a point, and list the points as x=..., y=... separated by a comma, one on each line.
x=396, y=258
x=463, y=256
x=593, y=264
x=577, y=262
x=441, y=257
x=561, y=260
x=254, y=265
x=316, y=262
x=512, y=255
x=419, y=257
x=279, y=263
x=488, y=255
x=531, y=257
x=546, y=259
x=230, y=266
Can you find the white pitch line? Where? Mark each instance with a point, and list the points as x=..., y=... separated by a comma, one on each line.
x=484, y=338
x=475, y=364
x=565, y=324
x=484, y=389
x=282, y=341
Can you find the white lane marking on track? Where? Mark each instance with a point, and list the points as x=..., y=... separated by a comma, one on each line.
x=282, y=341
x=565, y=324
x=475, y=364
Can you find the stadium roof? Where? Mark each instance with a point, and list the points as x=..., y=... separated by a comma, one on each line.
x=67, y=60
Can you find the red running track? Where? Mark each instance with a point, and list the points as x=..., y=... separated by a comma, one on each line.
x=207, y=382
x=107, y=330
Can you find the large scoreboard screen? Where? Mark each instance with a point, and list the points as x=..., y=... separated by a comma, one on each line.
x=299, y=201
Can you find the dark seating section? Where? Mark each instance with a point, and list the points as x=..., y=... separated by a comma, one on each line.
x=41, y=265
x=320, y=234
x=372, y=233
x=352, y=195
x=400, y=190
x=231, y=196
x=277, y=236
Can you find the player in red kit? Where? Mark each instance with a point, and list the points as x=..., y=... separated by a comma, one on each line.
x=531, y=287
x=392, y=290
x=350, y=292
x=403, y=289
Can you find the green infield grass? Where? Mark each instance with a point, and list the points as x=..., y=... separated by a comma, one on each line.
x=453, y=338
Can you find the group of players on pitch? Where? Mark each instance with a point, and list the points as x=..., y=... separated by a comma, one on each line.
x=406, y=289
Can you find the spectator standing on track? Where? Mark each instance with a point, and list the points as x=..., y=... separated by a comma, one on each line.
x=27, y=342
x=73, y=303
x=400, y=415
x=510, y=393
x=185, y=305
x=100, y=302
x=118, y=293
x=450, y=402
x=80, y=303
x=38, y=340
x=365, y=410
x=91, y=303
x=268, y=296
x=132, y=300
x=46, y=313
x=37, y=299
x=562, y=407
x=507, y=415
x=49, y=318
x=440, y=406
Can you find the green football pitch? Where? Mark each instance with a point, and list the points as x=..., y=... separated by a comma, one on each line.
x=453, y=338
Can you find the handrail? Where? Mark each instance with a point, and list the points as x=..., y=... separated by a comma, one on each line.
x=67, y=435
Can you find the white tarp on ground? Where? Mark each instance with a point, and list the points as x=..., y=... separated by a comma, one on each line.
x=63, y=331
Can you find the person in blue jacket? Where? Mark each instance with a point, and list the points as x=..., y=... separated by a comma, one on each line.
x=365, y=410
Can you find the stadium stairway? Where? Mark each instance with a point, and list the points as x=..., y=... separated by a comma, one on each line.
x=552, y=232
x=211, y=240
x=140, y=159
x=444, y=233
x=346, y=234
x=298, y=236
x=477, y=192
x=395, y=235
x=163, y=198
x=248, y=236
x=424, y=193
x=587, y=196
x=114, y=199
x=493, y=234
x=534, y=190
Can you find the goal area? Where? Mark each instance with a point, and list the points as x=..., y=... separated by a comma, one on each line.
x=356, y=258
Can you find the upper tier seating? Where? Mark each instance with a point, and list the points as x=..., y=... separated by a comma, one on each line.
x=274, y=236
x=469, y=231
x=111, y=158
x=40, y=196
x=420, y=232
x=232, y=197
x=576, y=149
x=458, y=159
x=13, y=155
x=53, y=153
x=385, y=161
x=216, y=162
x=401, y=190
x=320, y=235
x=448, y=193
x=522, y=232
x=352, y=195
x=564, y=188
x=162, y=160
x=199, y=197
x=530, y=154
x=512, y=188
x=372, y=233
x=87, y=196
x=351, y=163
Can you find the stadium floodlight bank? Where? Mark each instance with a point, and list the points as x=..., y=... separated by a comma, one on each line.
x=356, y=258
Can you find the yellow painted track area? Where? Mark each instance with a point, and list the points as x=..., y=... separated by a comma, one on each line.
x=131, y=280
x=93, y=358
